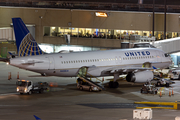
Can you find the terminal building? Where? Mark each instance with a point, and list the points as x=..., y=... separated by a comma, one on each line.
x=91, y=25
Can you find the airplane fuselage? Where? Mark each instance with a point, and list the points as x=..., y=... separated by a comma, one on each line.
x=97, y=62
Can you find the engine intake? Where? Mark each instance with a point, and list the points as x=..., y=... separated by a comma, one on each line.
x=140, y=77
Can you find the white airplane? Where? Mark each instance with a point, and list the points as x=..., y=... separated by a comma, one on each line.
x=137, y=63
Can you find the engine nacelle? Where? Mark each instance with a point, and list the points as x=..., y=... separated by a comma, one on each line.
x=140, y=77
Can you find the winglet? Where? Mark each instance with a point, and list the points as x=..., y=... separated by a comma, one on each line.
x=26, y=45
x=154, y=67
x=37, y=118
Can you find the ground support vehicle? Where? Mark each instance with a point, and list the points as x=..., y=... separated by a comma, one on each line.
x=175, y=75
x=162, y=82
x=25, y=86
x=149, y=88
x=87, y=85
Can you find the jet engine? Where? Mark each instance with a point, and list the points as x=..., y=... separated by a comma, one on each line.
x=140, y=77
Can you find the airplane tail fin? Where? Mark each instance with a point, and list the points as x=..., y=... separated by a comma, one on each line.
x=26, y=44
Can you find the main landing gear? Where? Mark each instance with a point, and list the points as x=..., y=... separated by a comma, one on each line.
x=113, y=84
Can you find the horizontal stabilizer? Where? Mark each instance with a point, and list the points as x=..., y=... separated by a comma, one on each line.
x=4, y=59
x=13, y=55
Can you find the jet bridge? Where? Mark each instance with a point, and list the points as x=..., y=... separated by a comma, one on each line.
x=168, y=45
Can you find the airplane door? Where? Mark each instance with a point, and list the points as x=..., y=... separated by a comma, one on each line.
x=51, y=63
x=83, y=71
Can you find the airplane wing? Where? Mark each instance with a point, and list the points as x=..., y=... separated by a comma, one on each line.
x=31, y=62
x=126, y=69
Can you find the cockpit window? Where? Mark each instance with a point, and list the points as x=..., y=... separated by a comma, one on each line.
x=166, y=55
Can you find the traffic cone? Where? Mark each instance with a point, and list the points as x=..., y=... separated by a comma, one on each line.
x=169, y=93
x=160, y=94
x=18, y=75
x=172, y=92
x=9, y=75
x=102, y=79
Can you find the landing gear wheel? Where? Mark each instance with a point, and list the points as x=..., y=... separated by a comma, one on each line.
x=29, y=92
x=113, y=84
